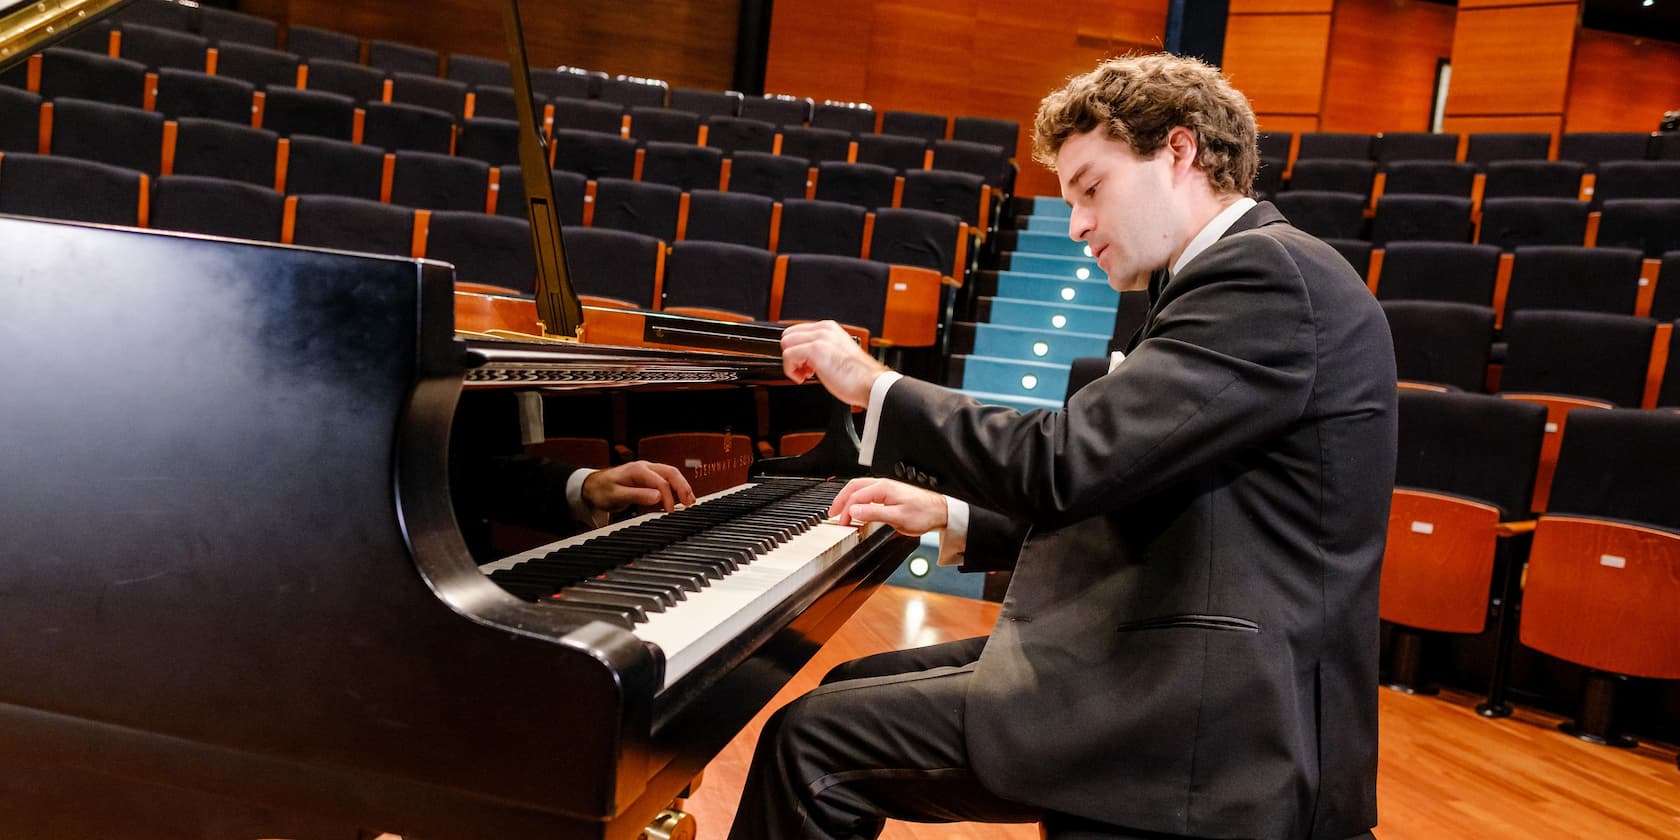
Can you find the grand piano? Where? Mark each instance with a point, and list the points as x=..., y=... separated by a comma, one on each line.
x=235, y=601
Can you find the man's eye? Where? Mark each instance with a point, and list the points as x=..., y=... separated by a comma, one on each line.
x=1091, y=191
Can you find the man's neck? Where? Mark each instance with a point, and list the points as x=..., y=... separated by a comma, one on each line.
x=1203, y=209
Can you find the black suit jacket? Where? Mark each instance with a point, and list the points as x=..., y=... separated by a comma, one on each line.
x=1189, y=641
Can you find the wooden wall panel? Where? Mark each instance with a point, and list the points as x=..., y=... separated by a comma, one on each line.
x=689, y=43
x=986, y=58
x=1278, y=61
x=1512, y=60
x=1383, y=57
x=1285, y=7
x=1600, y=95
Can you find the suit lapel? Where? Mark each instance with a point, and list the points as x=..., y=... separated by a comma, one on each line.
x=1259, y=215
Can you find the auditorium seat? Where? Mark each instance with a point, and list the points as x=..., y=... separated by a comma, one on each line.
x=719, y=279
x=1545, y=363
x=981, y=159
x=1463, y=467
x=738, y=134
x=632, y=91
x=640, y=207
x=901, y=153
x=1452, y=272
x=475, y=71
x=1510, y=222
x=1275, y=144
x=497, y=102
x=706, y=103
x=216, y=207
x=615, y=267
x=291, y=111
x=929, y=127
x=1637, y=179
x=1004, y=134
x=1669, y=394
x=227, y=151
x=1665, y=300
x=1441, y=343
x=588, y=115
x=402, y=58
x=773, y=176
x=1394, y=146
x=1268, y=178
x=20, y=120
x=741, y=218
x=429, y=92
x=1651, y=225
x=863, y=184
x=227, y=26
x=126, y=137
x=352, y=224
x=1486, y=147
x=494, y=141
x=777, y=109
x=161, y=13
x=311, y=43
x=565, y=83
x=960, y=194
x=898, y=305
x=334, y=167
x=1326, y=215
x=493, y=250
x=1334, y=145
x=854, y=117
x=1428, y=177
x=1604, y=568
x=1357, y=252
x=1334, y=175
x=1595, y=147
x=812, y=226
x=1533, y=179
x=358, y=81
x=664, y=124
x=85, y=75
x=158, y=48
x=594, y=155
x=1436, y=218
x=71, y=189
x=261, y=66
x=570, y=189
x=1575, y=278
x=440, y=182
x=816, y=144
x=186, y=93
x=921, y=238
x=392, y=126
x=682, y=165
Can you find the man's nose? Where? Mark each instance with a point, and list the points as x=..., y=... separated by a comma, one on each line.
x=1078, y=225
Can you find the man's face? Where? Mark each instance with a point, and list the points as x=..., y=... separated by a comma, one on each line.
x=1124, y=206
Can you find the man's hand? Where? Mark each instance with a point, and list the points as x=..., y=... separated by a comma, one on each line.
x=908, y=509
x=636, y=483
x=825, y=350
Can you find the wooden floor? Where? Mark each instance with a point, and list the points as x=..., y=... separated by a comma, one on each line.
x=1443, y=772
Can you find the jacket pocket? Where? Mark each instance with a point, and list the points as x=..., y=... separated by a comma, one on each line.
x=1199, y=622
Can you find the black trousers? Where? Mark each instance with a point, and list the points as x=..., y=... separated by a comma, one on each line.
x=881, y=738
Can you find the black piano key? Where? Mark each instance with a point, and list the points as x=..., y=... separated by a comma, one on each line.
x=592, y=613
x=723, y=565
x=658, y=564
x=692, y=583
x=666, y=595
x=627, y=606
x=649, y=603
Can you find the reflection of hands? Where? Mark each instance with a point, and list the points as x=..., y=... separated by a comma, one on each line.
x=636, y=483
x=908, y=509
x=825, y=350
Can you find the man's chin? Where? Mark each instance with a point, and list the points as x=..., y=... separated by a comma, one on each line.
x=1132, y=282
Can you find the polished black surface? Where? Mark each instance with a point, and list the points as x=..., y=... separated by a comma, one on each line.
x=233, y=597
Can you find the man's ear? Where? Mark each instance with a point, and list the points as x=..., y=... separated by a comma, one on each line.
x=1182, y=142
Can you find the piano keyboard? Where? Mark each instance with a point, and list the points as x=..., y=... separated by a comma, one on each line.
x=691, y=580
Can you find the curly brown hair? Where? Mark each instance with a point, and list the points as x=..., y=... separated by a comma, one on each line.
x=1140, y=98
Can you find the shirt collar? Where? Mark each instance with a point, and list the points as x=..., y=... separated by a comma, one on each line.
x=1211, y=233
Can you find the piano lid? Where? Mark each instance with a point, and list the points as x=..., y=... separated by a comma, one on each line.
x=26, y=26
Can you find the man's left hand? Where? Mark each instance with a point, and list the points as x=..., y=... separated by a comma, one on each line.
x=636, y=483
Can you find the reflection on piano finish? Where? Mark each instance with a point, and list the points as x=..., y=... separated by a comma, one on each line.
x=234, y=598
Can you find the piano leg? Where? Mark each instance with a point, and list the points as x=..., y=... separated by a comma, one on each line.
x=671, y=824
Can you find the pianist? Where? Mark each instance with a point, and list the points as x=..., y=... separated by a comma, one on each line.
x=1188, y=646
x=491, y=479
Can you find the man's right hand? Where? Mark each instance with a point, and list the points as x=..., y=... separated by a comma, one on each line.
x=908, y=509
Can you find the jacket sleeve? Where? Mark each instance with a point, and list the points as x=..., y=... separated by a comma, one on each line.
x=1228, y=361
x=994, y=541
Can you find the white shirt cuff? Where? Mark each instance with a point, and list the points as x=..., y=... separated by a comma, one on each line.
x=872, y=415
x=582, y=513
x=953, y=541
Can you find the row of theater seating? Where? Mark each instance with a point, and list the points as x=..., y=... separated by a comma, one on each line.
x=1480, y=148
x=1502, y=179
x=1590, y=581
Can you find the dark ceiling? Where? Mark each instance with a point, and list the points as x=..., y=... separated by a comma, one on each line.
x=1661, y=19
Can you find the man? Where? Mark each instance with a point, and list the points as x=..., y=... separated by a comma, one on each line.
x=1188, y=646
